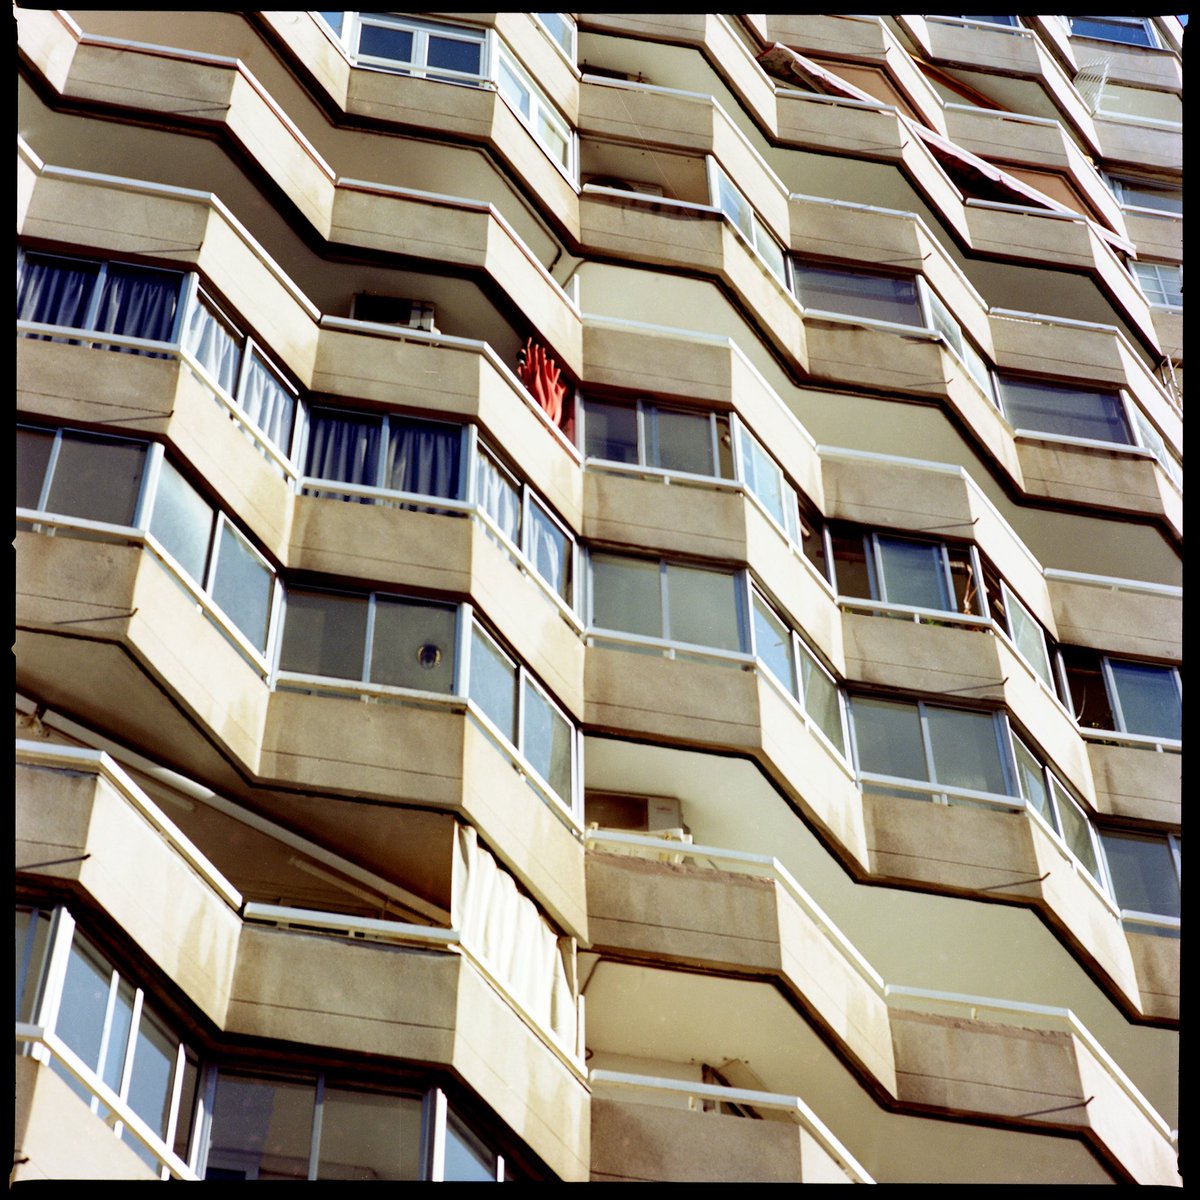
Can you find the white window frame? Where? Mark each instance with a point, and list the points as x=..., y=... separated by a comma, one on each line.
x=608, y=633
x=943, y=793
x=1150, y=278
x=540, y=109
x=1045, y=671
x=62, y=937
x=1124, y=187
x=1153, y=42
x=1158, y=921
x=153, y=453
x=759, y=233
x=799, y=652
x=569, y=49
x=516, y=744
x=1114, y=695
x=350, y=39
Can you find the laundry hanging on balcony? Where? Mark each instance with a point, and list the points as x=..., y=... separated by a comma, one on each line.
x=542, y=376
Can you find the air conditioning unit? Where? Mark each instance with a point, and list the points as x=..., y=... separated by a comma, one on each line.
x=660, y=816
x=624, y=185
x=394, y=310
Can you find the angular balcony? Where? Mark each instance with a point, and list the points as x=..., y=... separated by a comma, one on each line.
x=420, y=993
x=1136, y=779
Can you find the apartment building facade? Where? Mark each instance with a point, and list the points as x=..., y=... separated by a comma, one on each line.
x=598, y=597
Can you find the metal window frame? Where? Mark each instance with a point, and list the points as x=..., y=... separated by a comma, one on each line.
x=758, y=229
x=418, y=64
x=1114, y=693
x=1155, y=270
x=540, y=108
x=571, y=53
x=1153, y=42
x=1011, y=601
x=1124, y=408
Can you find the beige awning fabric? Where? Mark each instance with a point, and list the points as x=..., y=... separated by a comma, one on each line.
x=788, y=66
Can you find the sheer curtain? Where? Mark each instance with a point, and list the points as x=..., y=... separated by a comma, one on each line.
x=138, y=304
x=344, y=449
x=53, y=291
x=497, y=497
x=422, y=458
x=210, y=342
x=548, y=550
x=268, y=404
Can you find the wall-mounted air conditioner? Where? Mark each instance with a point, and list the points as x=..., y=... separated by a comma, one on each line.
x=394, y=310
x=657, y=815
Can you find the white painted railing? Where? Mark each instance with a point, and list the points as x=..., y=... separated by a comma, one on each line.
x=49, y=1047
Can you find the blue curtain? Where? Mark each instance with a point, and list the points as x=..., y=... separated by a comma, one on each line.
x=423, y=458
x=138, y=303
x=54, y=291
x=343, y=448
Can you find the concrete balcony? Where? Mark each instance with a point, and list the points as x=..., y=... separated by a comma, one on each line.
x=887, y=1034
x=1157, y=234
x=833, y=123
x=1119, y=616
x=650, y=1143
x=859, y=37
x=1136, y=782
x=1146, y=145
x=1139, y=66
x=403, y=993
x=1117, y=480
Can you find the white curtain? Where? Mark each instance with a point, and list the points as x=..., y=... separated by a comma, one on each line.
x=139, y=304
x=267, y=403
x=53, y=291
x=208, y=340
x=505, y=930
x=422, y=458
x=497, y=497
x=343, y=448
x=548, y=550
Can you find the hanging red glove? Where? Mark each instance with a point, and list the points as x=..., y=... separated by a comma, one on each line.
x=542, y=376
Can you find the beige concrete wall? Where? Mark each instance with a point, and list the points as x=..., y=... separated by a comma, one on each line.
x=1137, y=783
x=57, y=1137
x=634, y=1142
x=163, y=905
x=1123, y=622
x=1156, y=962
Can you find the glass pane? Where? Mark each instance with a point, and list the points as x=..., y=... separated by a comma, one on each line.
x=764, y=478
x=118, y=1037
x=821, y=701
x=97, y=478
x=31, y=935
x=773, y=644
x=702, y=607
x=850, y=565
x=550, y=551
x=1028, y=637
x=547, y=741
x=54, y=291
x=423, y=457
x=468, y=1160
x=333, y=20
x=1132, y=31
x=213, y=342
x=243, y=586
x=324, y=634
x=734, y=206
x=384, y=41
x=413, y=644
x=1033, y=783
x=153, y=1072
x=1067, y=411
x=369, y=1136
x=260, y=1129
x=1075, y=830
x=1149, y=699
x=493, y=684
x=1142, y=871
x=513, y=90
x=1147, y=195
x=913, y=573
x=684, y=441
x=84, y=1001
x=965, y=750
x=182, y=521
x=888, y=739
x=451, y=54
x=187, y=1104
x=611, y=432
x=267, y=403
x=33, y=456
x=626, y=595
x=1089, y=696
x=876, y=297
x=138, y=303
x=344, y=447
x=771, y=254
x=561, y=30
x=497, y=495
